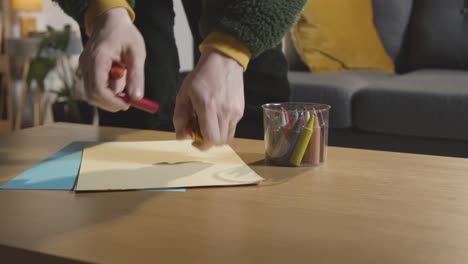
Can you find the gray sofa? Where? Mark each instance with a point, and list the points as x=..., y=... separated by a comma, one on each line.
x=421, y=109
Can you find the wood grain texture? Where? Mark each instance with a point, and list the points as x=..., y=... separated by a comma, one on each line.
x=360, y=207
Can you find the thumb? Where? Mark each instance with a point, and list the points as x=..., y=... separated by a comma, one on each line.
x=135, y=62
x=182, y=116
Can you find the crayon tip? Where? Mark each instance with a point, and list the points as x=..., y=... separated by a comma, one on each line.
x=282, y=120
x=300, y=122
x=310, y=123
x=285, y=115
x=196, y=138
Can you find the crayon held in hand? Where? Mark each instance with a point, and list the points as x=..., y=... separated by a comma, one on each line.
x=116, y=72
x=193, y=129
x=147, y=105
x=142, y=104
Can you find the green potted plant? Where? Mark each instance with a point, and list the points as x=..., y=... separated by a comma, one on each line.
x=52, y=55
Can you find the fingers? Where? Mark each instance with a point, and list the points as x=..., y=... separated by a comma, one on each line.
x=216, y=92
x=135, y=60
x=229, y=115
x=208, y=121
x=182, y=114
x=224, y=123
x=85, y=73
x=114, y=38
x=217, y=128
x=118, y=84
x=232, y=130
x=96, y=80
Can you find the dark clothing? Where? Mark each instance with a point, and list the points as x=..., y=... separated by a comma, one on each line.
x=259, y=24
x=265, y=80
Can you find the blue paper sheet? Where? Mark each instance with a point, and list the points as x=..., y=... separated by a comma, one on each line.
x=58, y=172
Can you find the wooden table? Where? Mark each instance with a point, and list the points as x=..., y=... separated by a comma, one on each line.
x=361, y=207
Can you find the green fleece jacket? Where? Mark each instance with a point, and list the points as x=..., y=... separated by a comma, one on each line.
x=259, y=24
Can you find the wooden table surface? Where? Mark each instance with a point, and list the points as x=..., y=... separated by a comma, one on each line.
x=361, y=207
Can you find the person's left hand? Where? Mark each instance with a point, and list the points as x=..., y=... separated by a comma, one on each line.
x=214, y=90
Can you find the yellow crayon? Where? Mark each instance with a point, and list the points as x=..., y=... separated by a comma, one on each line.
x=193, y=129
x=303, y=142
x=197, y=139
x=312, y=155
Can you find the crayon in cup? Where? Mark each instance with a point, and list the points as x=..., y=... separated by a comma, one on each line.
x=313, y=151
x=302, y=141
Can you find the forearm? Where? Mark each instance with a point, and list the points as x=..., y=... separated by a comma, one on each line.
x=84, y=11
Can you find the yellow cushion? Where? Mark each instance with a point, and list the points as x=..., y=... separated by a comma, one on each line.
x=339, y=35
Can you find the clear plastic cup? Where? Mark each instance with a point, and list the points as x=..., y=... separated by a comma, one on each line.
x=296, y=134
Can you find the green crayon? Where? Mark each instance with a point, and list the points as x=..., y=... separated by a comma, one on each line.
x=302, y=142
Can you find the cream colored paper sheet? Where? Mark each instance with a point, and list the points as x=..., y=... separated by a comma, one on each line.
x=160, y=164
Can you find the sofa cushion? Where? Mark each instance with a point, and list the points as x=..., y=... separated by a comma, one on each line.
x=427, y=103
x=391, y=19
x=335, y=89
x=339, y=35
x=438, y=35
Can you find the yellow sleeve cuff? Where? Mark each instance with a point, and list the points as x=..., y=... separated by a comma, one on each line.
x=98, y=7
x=229, y=46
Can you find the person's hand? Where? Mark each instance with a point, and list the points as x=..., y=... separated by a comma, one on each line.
x=114, y=39
x=214, y=90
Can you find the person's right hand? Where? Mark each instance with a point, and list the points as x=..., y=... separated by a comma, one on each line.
x=114, y=39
